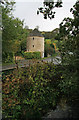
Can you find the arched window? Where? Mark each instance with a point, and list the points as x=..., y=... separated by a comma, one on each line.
x=33, y=38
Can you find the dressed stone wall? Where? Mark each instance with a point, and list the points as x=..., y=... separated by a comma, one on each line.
x=35, y=43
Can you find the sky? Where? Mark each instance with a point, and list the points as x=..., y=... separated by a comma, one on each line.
x=27, y=10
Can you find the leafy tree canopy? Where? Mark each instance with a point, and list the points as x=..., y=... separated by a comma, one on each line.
x=69, y=48
x=13, y=32
x=47, y=9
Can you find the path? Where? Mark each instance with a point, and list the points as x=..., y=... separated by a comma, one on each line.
x=56, y=60
x=66, y=112
x=25, y=63
x=21, y=63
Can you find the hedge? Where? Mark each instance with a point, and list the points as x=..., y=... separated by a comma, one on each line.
x=31, y=55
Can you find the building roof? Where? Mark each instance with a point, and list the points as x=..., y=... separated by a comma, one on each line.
x=35, y=32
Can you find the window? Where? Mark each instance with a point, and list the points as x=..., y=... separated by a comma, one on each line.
x=33, y=45
x=33, y=38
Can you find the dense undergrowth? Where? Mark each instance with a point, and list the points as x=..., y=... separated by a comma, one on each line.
x=29, y=93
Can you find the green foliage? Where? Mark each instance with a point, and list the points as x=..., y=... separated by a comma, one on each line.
x=50, y=35
x=14, y=35
x=30, y=92
x=69, y=49
x=9, y=57
x=47, y=9
x=49, y=48
x=31, y=55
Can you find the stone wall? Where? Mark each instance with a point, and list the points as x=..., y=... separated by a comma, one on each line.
x=35, y=43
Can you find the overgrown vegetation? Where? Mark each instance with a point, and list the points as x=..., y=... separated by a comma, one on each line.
x=68, y=38
x=28, y=93
x=50, y=48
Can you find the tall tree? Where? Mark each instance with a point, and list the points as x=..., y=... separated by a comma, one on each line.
x=13, y=32
x=47, y=9
x=7, y=7
x=68, y=46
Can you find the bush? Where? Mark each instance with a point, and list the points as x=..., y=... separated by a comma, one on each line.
x=69, y=84
x=30, y=92
x=49, y=49
x=19, y=53
x=7, y=57
x=31, y=55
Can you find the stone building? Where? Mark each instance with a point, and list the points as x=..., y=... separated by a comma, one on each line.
x=35, y=42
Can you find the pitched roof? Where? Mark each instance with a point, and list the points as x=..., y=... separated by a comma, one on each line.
x=35, y=32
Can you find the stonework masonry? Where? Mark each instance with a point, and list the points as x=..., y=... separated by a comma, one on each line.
x=35, y=43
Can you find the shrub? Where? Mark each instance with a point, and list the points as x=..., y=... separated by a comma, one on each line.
x=30, y=92
x=19, y=53
x=69, y=84
x=7, y=57
x=31, y=55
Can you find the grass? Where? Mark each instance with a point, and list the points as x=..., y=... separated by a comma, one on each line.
x=5, y=64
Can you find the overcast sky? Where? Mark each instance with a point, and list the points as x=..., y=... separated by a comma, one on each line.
x=27, y=10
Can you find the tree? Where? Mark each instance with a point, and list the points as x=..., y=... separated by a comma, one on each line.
x=49, y=48
x=68, y=47
x=23, y=39
x=13, y=33
x=7, y=7
x=47, y=10
x=51, y=34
